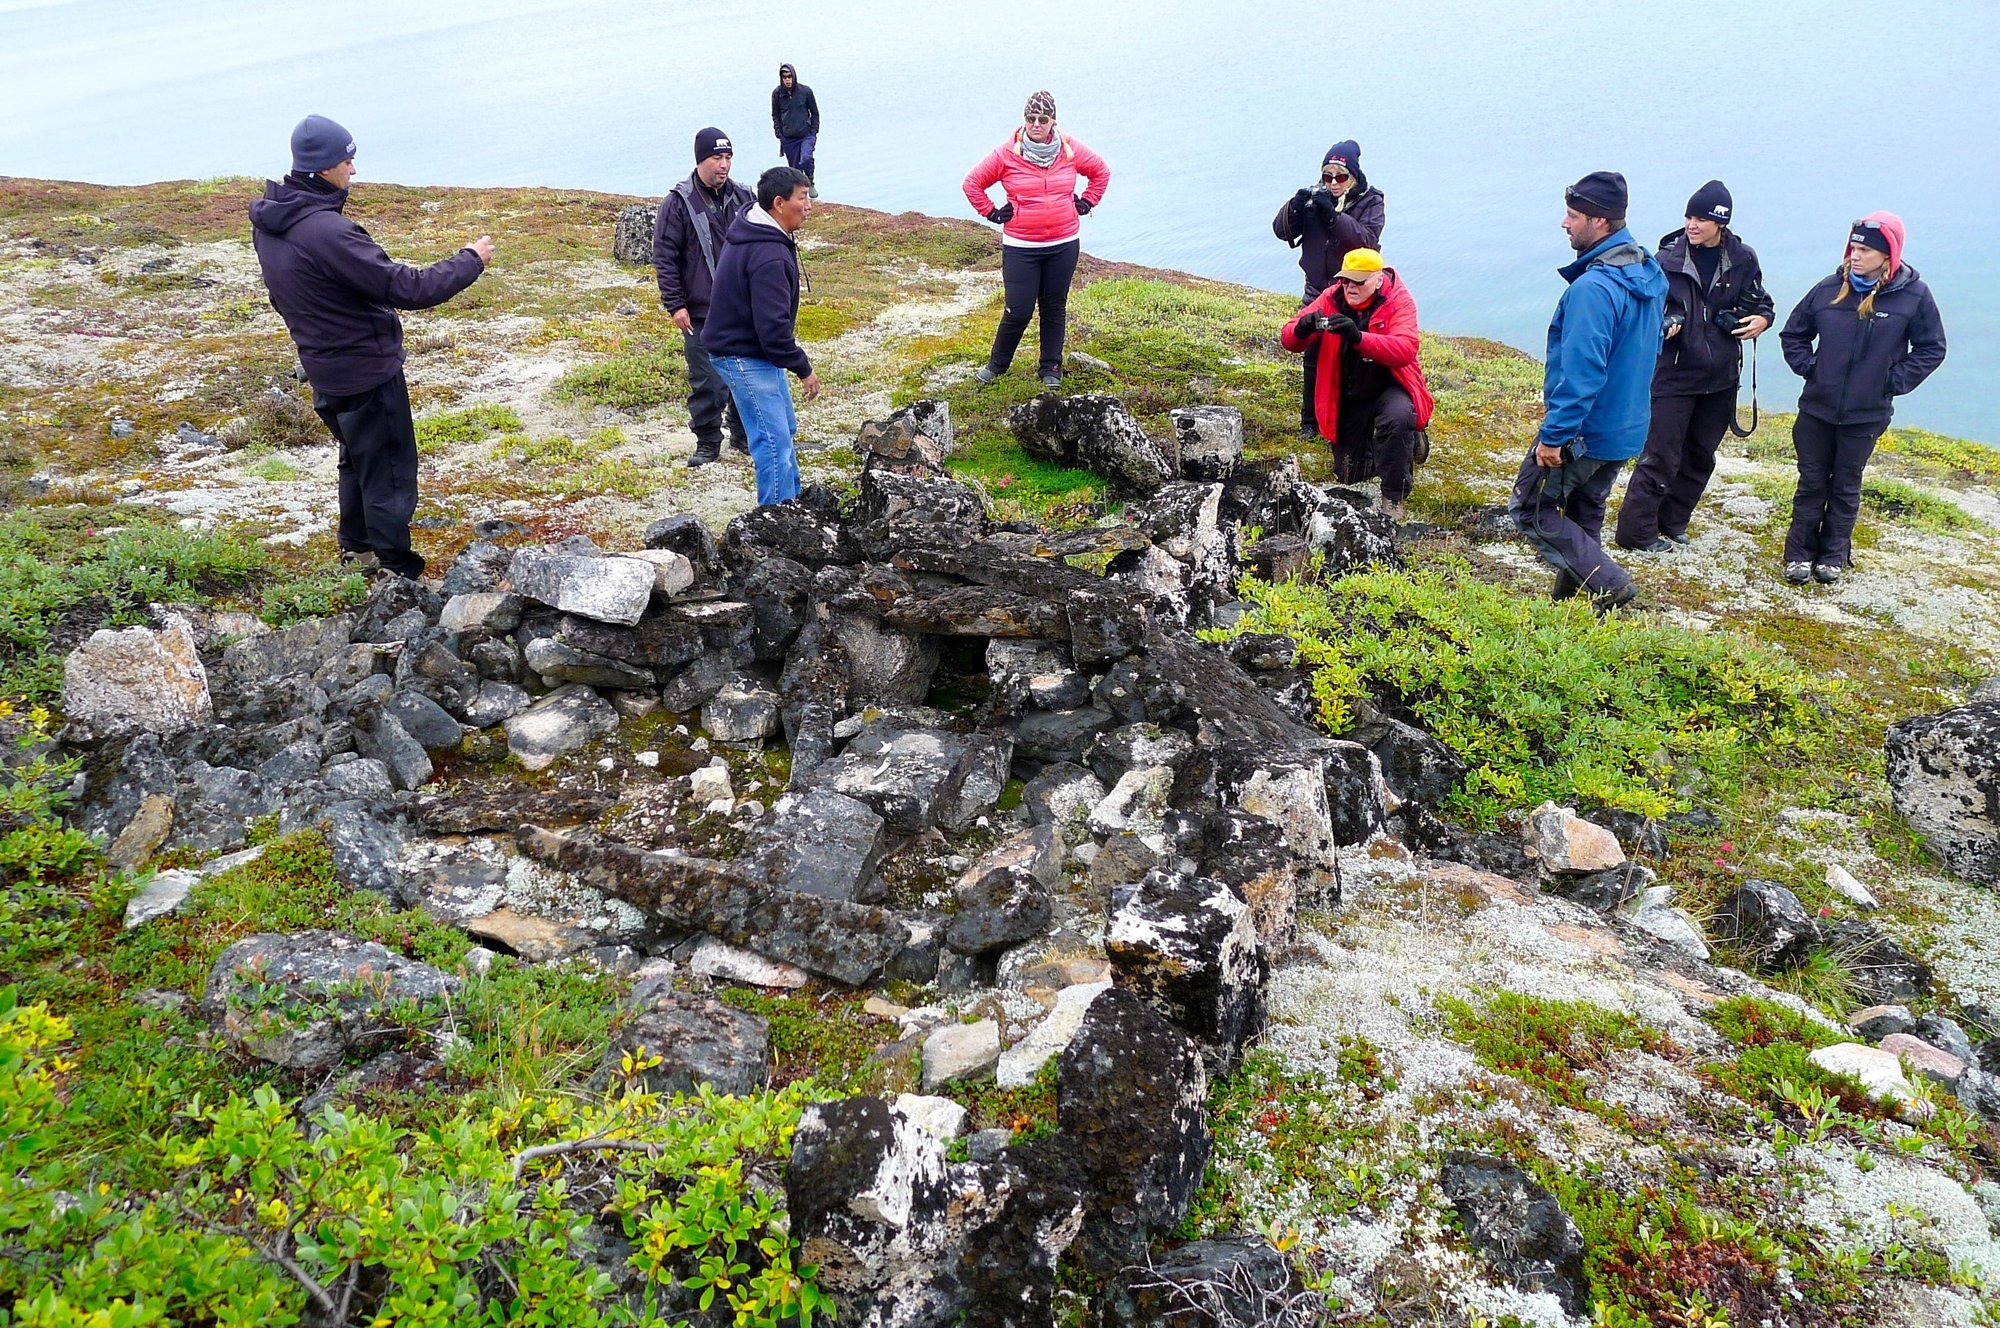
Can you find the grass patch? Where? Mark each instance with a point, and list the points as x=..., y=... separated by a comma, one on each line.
x=467, y=424
x=1552, y=1045
x=633, y=380
x=823, y=322
x=1543, y=699
x=558, y=466
x=822, y=1039
x=1026, y=485
x=1899, y=500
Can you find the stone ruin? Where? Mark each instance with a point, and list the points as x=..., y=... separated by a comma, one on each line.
x=556, y=749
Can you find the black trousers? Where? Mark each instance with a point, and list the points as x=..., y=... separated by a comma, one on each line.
x=1308, y=413
x=1828, y=499
x=708, y=397
x=1673, y=471
x=1375, y=436
x=378, y=472
x=1035, y=279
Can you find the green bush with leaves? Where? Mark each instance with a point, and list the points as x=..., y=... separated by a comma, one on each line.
x=1542, y=699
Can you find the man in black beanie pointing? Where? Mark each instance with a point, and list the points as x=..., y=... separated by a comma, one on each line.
x=338, y=293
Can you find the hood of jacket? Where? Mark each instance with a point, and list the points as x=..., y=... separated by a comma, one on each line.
x=1675, y=253
x=754, y=226
x=1626, y=262
x=289, y=201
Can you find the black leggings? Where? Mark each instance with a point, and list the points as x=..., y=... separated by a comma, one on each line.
x=1034, y=277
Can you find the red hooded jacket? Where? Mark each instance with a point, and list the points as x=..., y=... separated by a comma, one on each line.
x=1391, y=341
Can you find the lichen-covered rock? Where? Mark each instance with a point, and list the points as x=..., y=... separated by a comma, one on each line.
x=304, y=999
x=612, y=590
x=1944, y=777
x=1131, y=1099
x=1031, y=673
x=1882, y=968
x=1189, y=946
x=1022, y=1062
x=1063, y=795
x=1518, y=1226
x=819, y=842
x=1094, y=431
x=1233, y=1280
x=559, y=663
x=689, y=1040
x=1003, y=898
x=558, y=724
x=918, y=778
x=1059, y=735
x=1416, y=765
x=883, y=663
x=960, y=1051
x=1136, y=747
x=1209, y=440
x=632, y=240
x=137, y=681
x=1564, y=842
x=742, y=710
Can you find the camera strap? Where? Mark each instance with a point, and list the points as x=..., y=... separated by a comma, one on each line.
x=1734, y=427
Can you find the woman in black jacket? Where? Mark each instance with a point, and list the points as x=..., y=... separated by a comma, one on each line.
x=1860, y=338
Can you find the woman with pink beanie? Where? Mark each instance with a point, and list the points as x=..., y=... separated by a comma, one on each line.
x=1037, y=170
x=1860, y=338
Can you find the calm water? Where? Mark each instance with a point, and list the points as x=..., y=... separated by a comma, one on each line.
x=1471, y=118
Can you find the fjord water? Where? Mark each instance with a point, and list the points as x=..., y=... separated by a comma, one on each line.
x=1471, y=118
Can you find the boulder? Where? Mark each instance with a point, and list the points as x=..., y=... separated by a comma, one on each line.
x=1021, y=1063
x=137, y=681
x=1416, y=765
x=813, y=692
x=1209, y=440
x=686, y=535
x=696, y=1039
x=664, y=641
x=632, y=238
x=673, y=572
x=1058, y=735
x=919, y=778
x=1767, y=920
x=396, y=607
x=1027, y=673
x=1879, y=1021
x=566, y=719
x=960, y=1051
x=1063, y=795
x=819, y=842
x=1232, y=1280
x=692, y=687
x=558, y=663
x=480, y=569
x=1136, y=804
x=1671, y=927
x=1289, y=789
x=1877, y=1071
x=426, y=721
x=1564, y=843
x=883, y=663
x=1945, y=1035
x=1518, y=1226
x=303, y=1000
x=379, y=735
x=1189, y=946
x=1131, y=1099
x=1136, y=747
x=743, y=710
x=1944, y=777
x=1883, y=970
x=1003, y=898
x=612, y=590
x=1094, y=431
x=1932, y=1063
x=304, y=647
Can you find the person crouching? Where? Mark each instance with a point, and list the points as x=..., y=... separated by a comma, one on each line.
x=1369, y=393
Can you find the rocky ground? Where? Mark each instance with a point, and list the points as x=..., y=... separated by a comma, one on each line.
x=922, y=799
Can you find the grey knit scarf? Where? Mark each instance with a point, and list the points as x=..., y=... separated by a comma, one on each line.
x=1042, y=154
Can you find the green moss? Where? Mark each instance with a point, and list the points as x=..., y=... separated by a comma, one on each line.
x=819, y=1036
x=823, y=322
x=1029, y=1111
x=1552, y=1045
x=467, y=424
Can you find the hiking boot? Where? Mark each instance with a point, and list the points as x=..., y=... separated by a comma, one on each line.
x=738, y=443
x=1051, y=380
x=1660, y=545
x=359, y=560
x=986, y=376
x=1679, y=537
x=703, y=456
x=812, y=191
x=1605, y=601
x=1395, y=512
x=1566, y=585
x=1826, y=573
x=1798, y=573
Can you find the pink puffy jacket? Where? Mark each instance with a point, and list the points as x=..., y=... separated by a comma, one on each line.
x=1043, y=196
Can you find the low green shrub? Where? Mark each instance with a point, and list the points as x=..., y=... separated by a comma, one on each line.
x=467, y=424
x=652, y=376
x=1542, y=699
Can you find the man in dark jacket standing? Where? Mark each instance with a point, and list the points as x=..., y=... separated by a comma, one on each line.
x=752, y=331
x=795, y=121
x=1325, y=224
x=1716, y=301
x=1603, y=342
x=687, y=242
x=338, y=294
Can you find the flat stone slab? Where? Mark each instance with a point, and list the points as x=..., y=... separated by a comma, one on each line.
x=612, y=589
x=564, y=720
x=1020, y=1063
x=960, y=1051
x=137, y=681
x=1878, y=1071
x=732, y=963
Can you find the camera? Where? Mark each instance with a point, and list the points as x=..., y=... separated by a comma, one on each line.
x=1729, y=320
x=1673, y=323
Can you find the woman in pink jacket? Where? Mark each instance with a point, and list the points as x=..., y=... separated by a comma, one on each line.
x=1037, y=170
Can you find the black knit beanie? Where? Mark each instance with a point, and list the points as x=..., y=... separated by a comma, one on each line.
x=1598, y=194
x=1711, y=202
x=711, y=142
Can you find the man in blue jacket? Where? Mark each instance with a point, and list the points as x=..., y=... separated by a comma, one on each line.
x=338, y=293
x=752, y=329
x=1596, y=392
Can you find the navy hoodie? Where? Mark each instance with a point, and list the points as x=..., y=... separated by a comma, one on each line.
x=754, y=310
x=336, y=290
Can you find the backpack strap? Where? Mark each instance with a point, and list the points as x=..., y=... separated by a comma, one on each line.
x=704, y=230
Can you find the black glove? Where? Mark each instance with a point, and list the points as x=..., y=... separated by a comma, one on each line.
x=1311, y=323
x=1297, y=206
x=1082, y=206
x=1001, y=215
x=1321, y=201
x=1342, y=326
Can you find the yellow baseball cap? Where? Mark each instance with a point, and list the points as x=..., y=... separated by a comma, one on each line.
x=1361, y=263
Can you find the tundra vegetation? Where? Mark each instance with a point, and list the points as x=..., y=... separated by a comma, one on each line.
x=148, y=1174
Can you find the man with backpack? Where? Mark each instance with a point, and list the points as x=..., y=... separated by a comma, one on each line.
x=1716, y=302
x=687, y=242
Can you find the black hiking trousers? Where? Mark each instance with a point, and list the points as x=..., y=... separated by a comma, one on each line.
x=377, y=470
x=1827, y=502
x=1035, y=279
x=1673, y=471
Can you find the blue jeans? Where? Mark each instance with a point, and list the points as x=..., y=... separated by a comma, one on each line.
x=799, y=152
x=763, y=398
x=1561, y=511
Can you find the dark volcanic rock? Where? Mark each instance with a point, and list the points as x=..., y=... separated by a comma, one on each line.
x=1131, y=1099
x=686, y=535
x=1520, y=1228
x=1884, y=972
x=1416, y=765
x=883, y=663
x=919, y=778
x=976, y=611
x=1944, y=777
x=1003, y=899
x=818, y=842
x=510, y=806
x=1209, y=440
x=1059, y=735
x=792, y=530
x=812, y=693
x=1094, y=431
x=1233, y=1280
x=1769, y=921
x=305, y=999
x=778, y=591
x=480, y=569
x=851, y=943
x=1189, y=946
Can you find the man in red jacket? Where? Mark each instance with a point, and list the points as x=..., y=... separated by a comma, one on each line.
x=1369, y=392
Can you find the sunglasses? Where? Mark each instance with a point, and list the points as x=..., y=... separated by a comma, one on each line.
x=1335, y=175
x=1354, y=283
x=1040, y=119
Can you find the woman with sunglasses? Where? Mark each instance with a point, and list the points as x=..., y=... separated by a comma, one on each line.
x=1860, y=338
x=1037, y=170
x=1325, y=224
